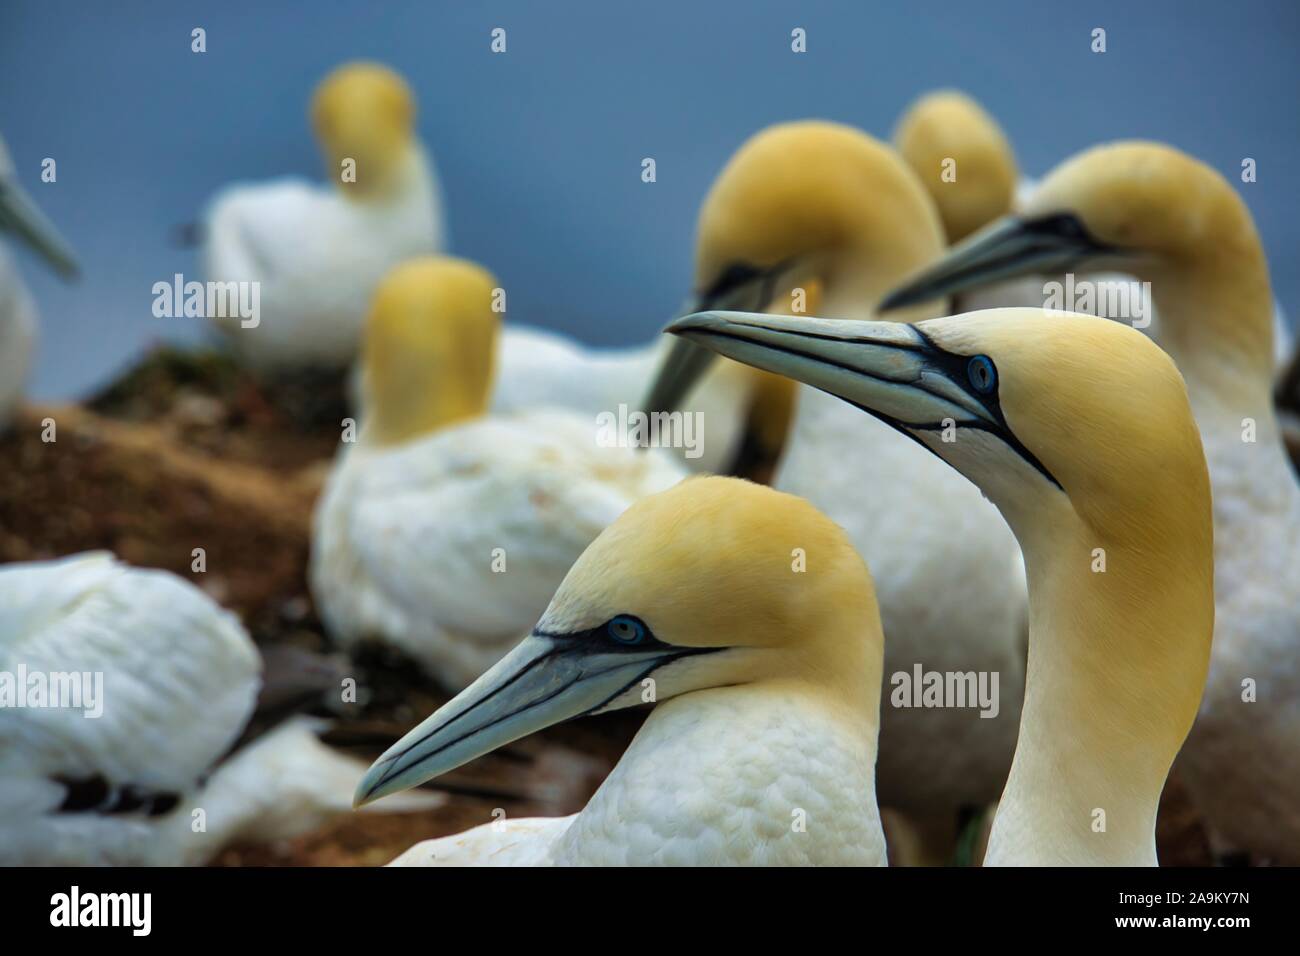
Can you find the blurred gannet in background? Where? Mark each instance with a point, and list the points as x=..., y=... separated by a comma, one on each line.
x=445, y=531
x=1175, y=222
x=1080, y=432
x=318, y=250
x=180, y=678
x=967, y=165
x=767, y=680
x=20, y=218
x=818, y=205
x=948, y=127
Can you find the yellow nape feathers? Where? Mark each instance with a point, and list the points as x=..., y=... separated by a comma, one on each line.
x=1191, y=235
x=363, y=114
x=734, y=564
x=429, y=349
x=962, y=157
x=827, y=194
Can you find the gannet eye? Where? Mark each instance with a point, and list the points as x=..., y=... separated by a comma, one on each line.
x=626, y=630
x=982, y=374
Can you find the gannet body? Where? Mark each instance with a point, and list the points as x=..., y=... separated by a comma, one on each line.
x=964, y=160
x=445, y=531
x=180, y=678
x=822, y=206
x=1081, y=433
x=1174, y=222
x=318, y=250
x=760, y=750
x=22, y=220
x=537, y=368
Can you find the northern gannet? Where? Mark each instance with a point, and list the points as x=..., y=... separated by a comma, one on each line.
x=1081, y=433
x=125, y=757
x=443, y=530
x=1174, y=222
x=20, y=218
x=967, y=165
x=317, y=251
x=821, y=206
x=962, y=158
x=749, y=620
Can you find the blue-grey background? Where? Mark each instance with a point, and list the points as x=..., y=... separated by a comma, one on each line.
x=540, y=148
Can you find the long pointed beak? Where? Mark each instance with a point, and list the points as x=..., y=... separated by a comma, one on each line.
x=1004, y=249
x=886, y=368
x=21, y=216
x=683, y=368
x=543, y=681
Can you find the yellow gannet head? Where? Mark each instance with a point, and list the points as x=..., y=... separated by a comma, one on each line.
x=364, y=112
x=1047, y=412
x=962, y=158
x=1140, y=208
x=428, y=349
x=714, y=582
x=814, y=200
x=809, y=205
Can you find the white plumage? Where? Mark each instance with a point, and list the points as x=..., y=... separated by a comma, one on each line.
x=729, y=776
x=406, y=538
x=180, y=679
x=317, y=255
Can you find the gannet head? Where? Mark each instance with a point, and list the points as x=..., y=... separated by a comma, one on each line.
x=364, y=112
x=812, y=205
x=1048, y=413
x=949, y=126
x=699, y=586
x=428, y=348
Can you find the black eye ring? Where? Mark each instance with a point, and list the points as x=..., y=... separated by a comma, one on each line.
x=625, y=629
x=982, y=373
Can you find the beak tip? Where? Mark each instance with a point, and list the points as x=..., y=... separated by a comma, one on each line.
x=695, y=322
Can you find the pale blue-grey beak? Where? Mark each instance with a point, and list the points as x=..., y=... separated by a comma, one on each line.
x=546, y=679
x=889, y=369
x=20, y=217
x=1010, y=247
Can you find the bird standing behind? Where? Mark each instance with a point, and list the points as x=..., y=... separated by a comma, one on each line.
x=444, y=530
x=820, y=206
x=316, y=251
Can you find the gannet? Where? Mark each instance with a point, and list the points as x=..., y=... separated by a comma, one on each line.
x=20, y=218
x=444, y=531
x=141, y=770
x=820, y=206
x=749, y=620
x=317, y=251
x=966, y=163
x=962, y=158
x=1080, y=432
x=1176, y=223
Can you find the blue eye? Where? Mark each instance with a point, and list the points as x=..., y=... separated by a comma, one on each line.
x=982, y=374
x=625, y=630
